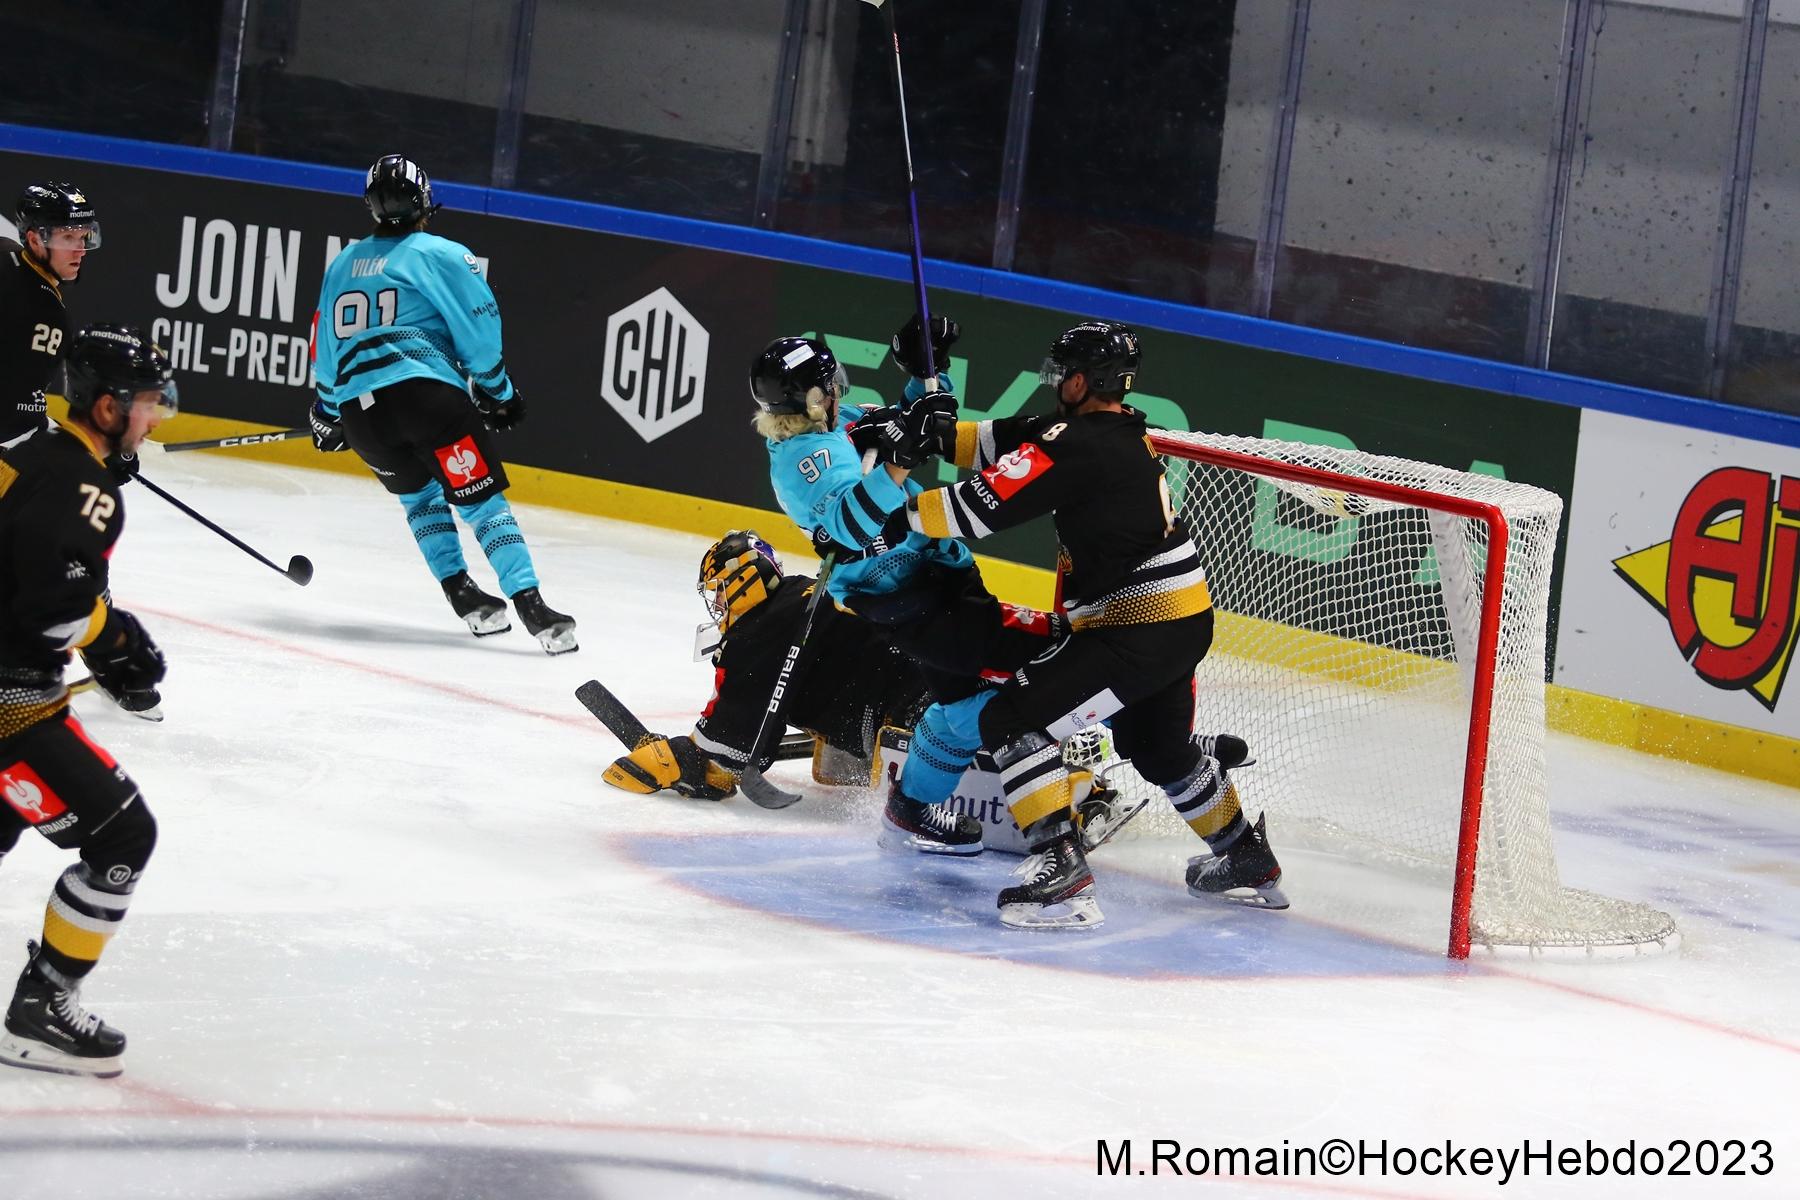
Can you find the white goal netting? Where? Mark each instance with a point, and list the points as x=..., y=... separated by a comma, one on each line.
x=1346, y=654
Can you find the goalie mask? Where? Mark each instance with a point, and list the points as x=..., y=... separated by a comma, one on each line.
x=736, y=574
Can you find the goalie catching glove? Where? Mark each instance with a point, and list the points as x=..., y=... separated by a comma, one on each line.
x=671, y=763
x=124, y=661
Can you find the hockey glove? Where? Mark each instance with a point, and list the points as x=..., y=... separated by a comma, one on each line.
x=327, y=430
x=908, y=349
x=674, y=763
x=124, y=467
x=865, y=434
x=500, y=414
x=123, y=659
x=931, y=426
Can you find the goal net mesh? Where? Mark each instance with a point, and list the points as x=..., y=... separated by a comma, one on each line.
x=1345, y=654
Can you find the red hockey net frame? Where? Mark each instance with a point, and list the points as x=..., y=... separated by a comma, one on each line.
x=1484, y=618
x=1475, y=757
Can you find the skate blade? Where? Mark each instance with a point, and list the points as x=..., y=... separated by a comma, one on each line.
x=1076, y=913
x=1096, y=833
x=489, y=623
x=36, y=1056
x=892, y=837
x=1264, y=895
x=558, y=639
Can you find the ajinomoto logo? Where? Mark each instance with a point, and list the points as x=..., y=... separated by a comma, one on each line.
x=1728, y=579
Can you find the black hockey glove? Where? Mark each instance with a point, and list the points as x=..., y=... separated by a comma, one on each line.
x=931, y=426
x=124, y=467
x=865, y=435
x=123, y=659
x=500, y=414
x=908, y=350
x=327, y=430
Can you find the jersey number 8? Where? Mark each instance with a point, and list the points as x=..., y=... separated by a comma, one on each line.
x=351, y=312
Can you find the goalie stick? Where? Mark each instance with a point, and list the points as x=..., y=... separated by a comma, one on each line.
x=623, y=724
x=762, y=793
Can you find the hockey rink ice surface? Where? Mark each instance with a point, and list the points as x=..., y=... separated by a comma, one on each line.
x=400, y=942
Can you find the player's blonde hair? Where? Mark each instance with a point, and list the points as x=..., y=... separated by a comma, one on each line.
x=778, y=427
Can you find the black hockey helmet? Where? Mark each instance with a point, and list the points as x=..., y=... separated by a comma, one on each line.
x=1105, y=351
x=784, y=374
x=737, y=573
x=398, y=192
x=118, y=359
x=50, y=206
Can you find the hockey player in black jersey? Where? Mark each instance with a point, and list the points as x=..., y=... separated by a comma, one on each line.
x=1136, y=597
x=756, y=610
x=57, y=227
x=60, y=516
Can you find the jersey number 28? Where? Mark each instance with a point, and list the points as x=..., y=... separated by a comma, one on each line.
x=351, y=312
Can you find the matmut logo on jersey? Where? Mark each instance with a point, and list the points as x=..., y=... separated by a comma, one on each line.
x=1727, y=579
x=28, y=795
x=1015, y=469
x=462, y=462
x=655, y=371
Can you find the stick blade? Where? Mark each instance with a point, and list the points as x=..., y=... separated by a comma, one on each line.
x=612, y=713
x=762, y=793
x=300, y=569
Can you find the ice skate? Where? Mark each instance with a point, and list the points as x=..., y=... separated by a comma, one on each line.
x=48, y=1030
x=485, y=614
x=1058, y=892
x=1230, y=750
x=554, y=631
x=906, y=824
x=1246, y=873
x=1103, y=813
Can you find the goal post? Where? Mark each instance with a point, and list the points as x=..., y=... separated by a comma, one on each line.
x=1382, y=645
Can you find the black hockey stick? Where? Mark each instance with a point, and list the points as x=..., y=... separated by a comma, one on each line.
x=299, y=568
x=912, y=203
x=242, y=439
x=612, y=713
x=762, y=793
x=623, y=724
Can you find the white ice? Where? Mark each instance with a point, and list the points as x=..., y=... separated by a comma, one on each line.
x=399, y=941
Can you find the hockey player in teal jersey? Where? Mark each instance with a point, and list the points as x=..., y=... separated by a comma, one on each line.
x=408, y=364
x=925, y=594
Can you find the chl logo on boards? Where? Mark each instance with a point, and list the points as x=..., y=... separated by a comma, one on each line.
x=1728, y=579
x=655, y=373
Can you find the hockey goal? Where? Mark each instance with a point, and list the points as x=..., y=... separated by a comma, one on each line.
x=1382, y=646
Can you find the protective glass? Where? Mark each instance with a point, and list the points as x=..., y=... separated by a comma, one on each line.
x=85, y=236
